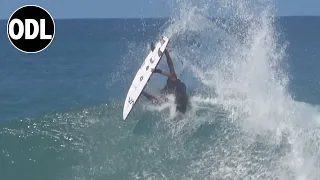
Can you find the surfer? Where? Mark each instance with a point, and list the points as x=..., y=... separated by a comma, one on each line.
x=173, y=86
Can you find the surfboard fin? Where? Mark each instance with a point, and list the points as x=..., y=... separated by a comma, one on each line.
x=152, y=46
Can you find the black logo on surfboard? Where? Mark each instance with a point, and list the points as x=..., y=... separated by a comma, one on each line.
x=162, y=40
x=160, y=53
x=130, y=101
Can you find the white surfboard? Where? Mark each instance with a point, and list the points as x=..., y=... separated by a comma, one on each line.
x=143, y=75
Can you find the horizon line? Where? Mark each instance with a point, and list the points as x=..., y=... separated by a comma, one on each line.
x=92, y=18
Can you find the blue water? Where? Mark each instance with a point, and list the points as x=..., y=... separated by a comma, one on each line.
x=61, y=109
x=73, y=72
x=76, y=69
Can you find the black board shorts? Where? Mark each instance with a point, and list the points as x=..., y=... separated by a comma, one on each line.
x=182, y=104
x=178, y=88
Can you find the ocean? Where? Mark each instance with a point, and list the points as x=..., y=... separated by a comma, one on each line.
x=252, y=78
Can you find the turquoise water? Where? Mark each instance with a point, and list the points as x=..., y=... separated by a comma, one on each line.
x=253, y=82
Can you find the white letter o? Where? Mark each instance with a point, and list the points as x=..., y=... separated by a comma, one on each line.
x=20, y=31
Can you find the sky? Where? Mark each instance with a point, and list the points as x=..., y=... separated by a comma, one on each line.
x=136, y=8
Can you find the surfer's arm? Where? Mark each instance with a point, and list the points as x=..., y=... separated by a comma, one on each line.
x=150, y=97
x=170, y=63
x=165, y=73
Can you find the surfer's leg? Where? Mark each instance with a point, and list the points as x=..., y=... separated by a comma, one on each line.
x=170, y=63
x=169, y=60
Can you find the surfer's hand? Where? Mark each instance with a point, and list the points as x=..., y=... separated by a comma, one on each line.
x=153, y=70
